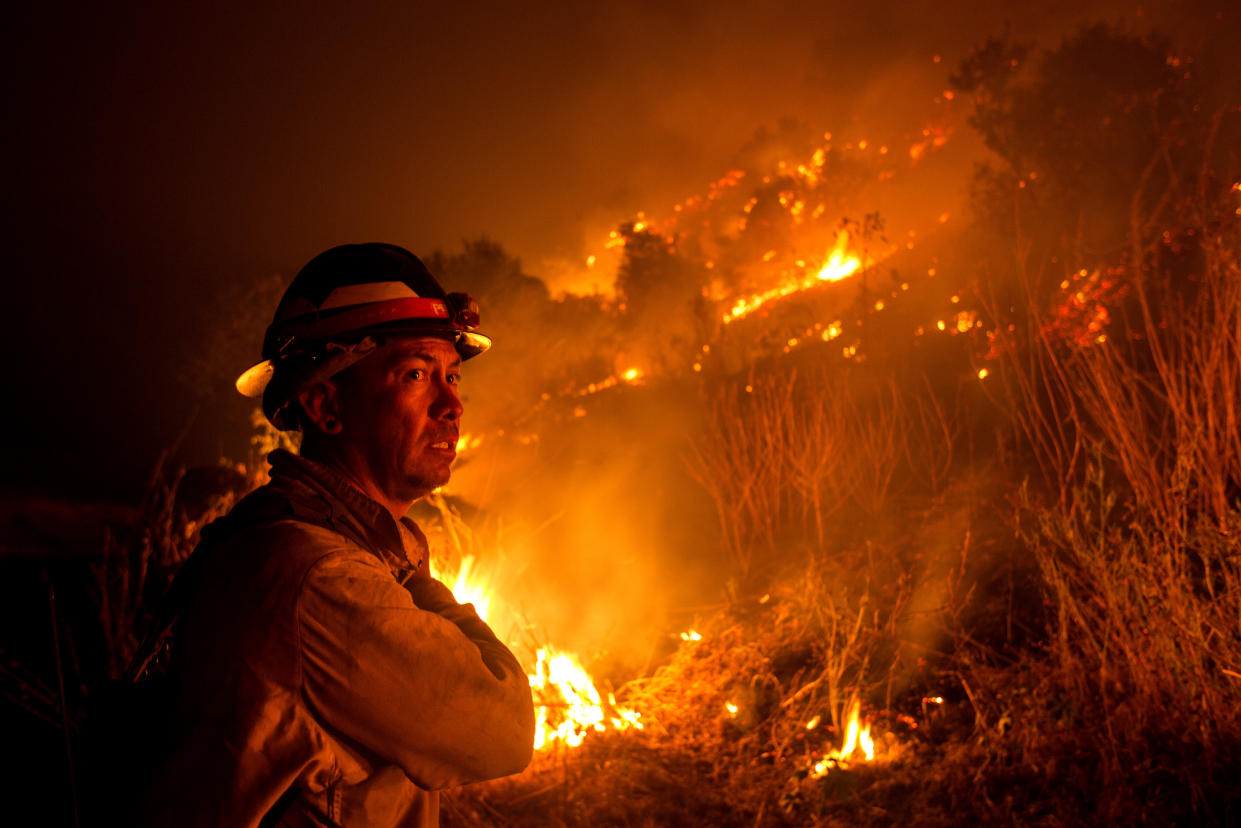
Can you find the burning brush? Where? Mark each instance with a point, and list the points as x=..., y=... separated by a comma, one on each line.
x=567, y=703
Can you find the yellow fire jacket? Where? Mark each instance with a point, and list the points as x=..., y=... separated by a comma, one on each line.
x=321, y=677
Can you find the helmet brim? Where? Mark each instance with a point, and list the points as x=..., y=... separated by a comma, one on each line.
x=469, y=344
x=255, y=378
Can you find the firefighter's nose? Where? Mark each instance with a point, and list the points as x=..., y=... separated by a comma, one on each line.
x=448, y=402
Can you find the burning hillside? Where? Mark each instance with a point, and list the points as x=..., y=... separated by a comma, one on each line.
x=856, y=393
x=846, y=502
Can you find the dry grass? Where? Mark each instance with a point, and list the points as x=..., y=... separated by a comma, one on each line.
x=1121, y=705
x=850, y=524
x=1142, y=557
x=781, y=660
x=783, y=456
x=1135, y=527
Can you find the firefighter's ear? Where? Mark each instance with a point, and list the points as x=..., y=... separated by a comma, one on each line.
x=321, y=407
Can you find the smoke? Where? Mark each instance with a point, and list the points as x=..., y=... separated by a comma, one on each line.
x=600, y=534
x=164, y=160
x=612, y=538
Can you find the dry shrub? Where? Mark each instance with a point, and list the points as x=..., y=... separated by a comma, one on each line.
x=783, y=456
x=138, y=564
x=1146, y=638
x=1138, y=547
x=810, y=648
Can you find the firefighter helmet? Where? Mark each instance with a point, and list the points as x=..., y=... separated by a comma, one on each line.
x=340, y=306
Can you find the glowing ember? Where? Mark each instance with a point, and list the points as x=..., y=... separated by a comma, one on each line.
x=633, y=375
x=1082, y=310
x=630, y=376
x=692, y=635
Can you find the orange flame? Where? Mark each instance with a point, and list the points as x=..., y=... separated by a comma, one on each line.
x=839, y=265
x=568, y=705
x=566, y=701
x=467, y=590
x=857, y=741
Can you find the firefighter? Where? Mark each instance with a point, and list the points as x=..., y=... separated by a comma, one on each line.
x=319, y=675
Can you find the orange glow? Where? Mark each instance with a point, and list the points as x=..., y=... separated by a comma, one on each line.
x=840, y=264
x=467, y=442
x=567, y=704
x=1082, y=312
x=858, y=745
x=468, y=589
x=633, y=375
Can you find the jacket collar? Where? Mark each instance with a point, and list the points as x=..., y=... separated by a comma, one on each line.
x=320, y=494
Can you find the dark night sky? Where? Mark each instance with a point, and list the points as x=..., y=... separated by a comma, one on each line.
x=163, y=156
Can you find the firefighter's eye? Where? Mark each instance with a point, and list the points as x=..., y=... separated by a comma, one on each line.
x=454, y=379
x=415, y=374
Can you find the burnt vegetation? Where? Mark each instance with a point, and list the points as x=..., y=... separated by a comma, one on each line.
x=1017, y=549
x=1014, y=549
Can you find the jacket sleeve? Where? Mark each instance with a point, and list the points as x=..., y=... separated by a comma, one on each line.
x=412, y=675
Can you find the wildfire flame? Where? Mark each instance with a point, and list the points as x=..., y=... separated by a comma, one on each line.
x=630, y=376
x=566, y=701
x=840, y=264
x=568, y=705
x=468, y=442
x=469, y=591
x=857, y=741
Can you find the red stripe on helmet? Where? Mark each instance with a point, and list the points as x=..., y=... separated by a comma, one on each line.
x=366, y=316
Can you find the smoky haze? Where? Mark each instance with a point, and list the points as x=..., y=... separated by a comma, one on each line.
x=172, y=165
x=163, y=155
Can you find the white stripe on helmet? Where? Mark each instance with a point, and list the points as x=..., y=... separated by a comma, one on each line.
x=366, y=293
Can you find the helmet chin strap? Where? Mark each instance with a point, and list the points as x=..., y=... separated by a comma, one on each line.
x=286, y=384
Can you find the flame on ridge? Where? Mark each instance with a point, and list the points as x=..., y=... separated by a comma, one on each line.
x=630, y=376
x=840, y=264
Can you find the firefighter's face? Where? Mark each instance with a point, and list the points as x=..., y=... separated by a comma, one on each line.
x=401, y=409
